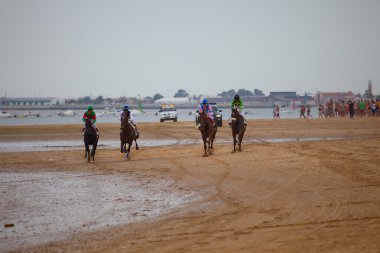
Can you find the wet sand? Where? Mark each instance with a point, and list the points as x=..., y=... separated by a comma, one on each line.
x=321, y=195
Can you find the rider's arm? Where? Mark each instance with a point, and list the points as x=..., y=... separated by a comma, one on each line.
x=132, y=119
x=200, y=109
x=94, y=118
x=84, y=117
x=241, y=105
x=210, y=112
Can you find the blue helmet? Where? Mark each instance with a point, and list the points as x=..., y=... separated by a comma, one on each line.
x=204, y=101
x=126, y=107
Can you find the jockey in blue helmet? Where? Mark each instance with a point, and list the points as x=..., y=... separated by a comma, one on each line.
x=206, y=108
x=127, y=113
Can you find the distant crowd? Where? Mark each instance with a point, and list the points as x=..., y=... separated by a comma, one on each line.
x=360, y=108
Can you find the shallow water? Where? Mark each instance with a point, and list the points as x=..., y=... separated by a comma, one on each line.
x=146, y=116
x=49, y=206
x=56, y=145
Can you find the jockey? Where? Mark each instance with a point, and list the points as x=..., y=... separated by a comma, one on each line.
x=237, y=102
x=91, y=115
x=206, y=108
x=127, y=113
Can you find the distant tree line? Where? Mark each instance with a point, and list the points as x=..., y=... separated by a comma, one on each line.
x=179, y=94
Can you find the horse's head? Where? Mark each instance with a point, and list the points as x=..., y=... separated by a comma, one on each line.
x=89, y=128
x=125, y=120
x=88, y=124
x=235, y=112
x=203, y=119
x=236, y=117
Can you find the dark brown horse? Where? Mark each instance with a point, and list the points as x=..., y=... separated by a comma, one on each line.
x=238, y=127
x=208, y=132
x=90, y=137
x=127, y=136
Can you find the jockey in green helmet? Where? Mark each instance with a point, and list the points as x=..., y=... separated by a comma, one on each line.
x=90, y=115
x=237, y=102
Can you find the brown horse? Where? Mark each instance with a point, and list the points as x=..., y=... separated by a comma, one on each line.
x=127, y=136
x=238, y=127
x=90, y=137
x=208, y=132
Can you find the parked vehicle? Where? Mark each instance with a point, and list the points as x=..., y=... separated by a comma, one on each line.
x=168, y=113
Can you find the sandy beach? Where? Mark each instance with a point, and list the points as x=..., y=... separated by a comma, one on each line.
x=298, y=186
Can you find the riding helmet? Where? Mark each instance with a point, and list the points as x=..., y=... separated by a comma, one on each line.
x=237, y=97
x=90, y=108
x=205, y=101
x=126, y=107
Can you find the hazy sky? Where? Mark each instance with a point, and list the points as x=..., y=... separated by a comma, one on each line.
x=73, y=48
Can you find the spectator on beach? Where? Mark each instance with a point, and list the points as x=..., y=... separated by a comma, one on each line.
x=373, y=107
x=321, y=111
x=351, y=108
x=336, y=109
x=308, y=111
x=355, y=108
x=330, y=109
x=302, y=111
x=276, y=112
x=361, y=108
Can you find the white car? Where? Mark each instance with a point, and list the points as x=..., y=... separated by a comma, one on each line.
x=168, y=113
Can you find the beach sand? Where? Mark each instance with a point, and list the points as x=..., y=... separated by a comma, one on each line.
x=298, y=186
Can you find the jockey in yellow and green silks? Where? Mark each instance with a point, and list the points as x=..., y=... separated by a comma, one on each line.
x=237, y=102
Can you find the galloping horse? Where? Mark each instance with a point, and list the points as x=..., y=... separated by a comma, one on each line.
x=127, y=135
x=90, y=137
x=238, y=127
x=208, y=132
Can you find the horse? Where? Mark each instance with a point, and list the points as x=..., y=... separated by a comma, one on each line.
x=208, y=132
x=90, y=137
x=127, y=135
x=238, y=127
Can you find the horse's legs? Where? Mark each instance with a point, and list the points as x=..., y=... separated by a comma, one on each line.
x=94, y=149
x=129, y=148
x=240, y=140
x=87, y=151
x=205, y=146
x=241, y=135
x=211, y=141
x=137, y=146
x=234, y=137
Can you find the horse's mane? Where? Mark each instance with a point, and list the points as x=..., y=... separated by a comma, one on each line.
x=203, y=120
x=89, y=127
x=126, y=122
x=239, y=119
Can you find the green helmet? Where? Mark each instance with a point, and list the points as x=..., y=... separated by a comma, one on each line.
x=90, y=107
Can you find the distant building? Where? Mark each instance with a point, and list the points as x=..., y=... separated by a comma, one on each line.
x=32, y=101
x=324, y=97
x=175, y=101
x=283, y=95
